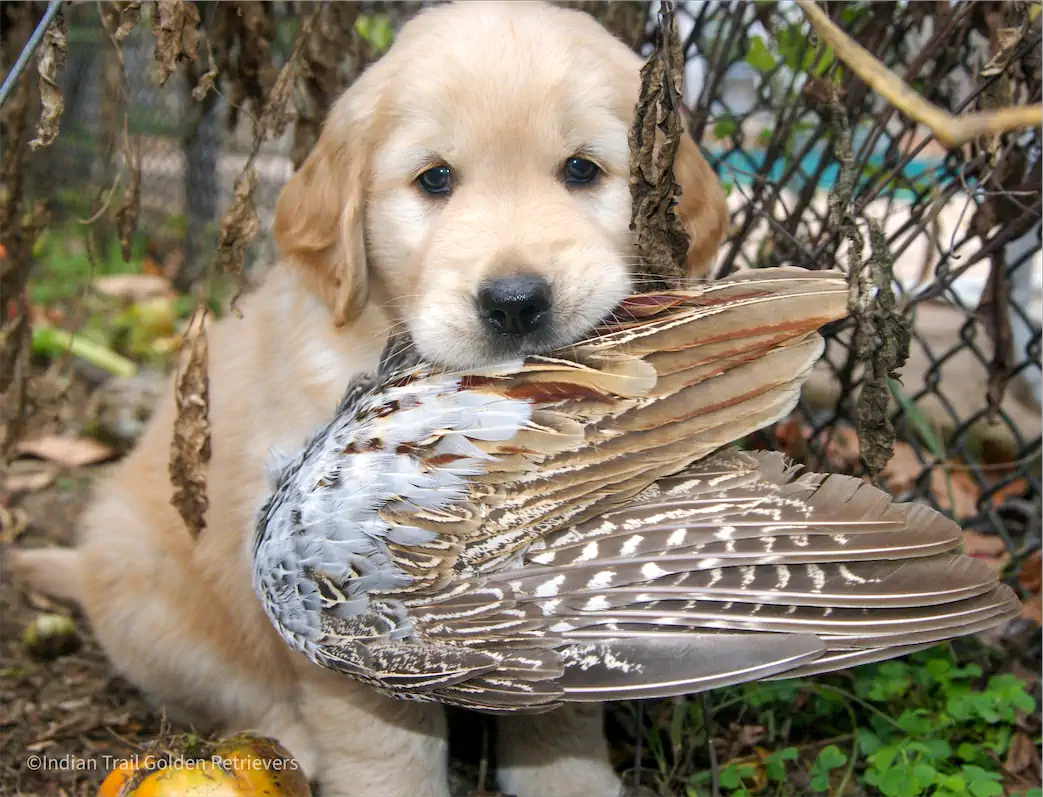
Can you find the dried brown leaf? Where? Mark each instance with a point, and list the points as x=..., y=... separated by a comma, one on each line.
x=965, y=492
x=53, y=50
x=882, y=344
x=241, y=35
x=176, y=27
x=13, y=523
x=791, y=437
x=1016, y=489
x=278, y=111
x=994, y=310
x=333, y=56
x=69, y=452
x=190, y=448
x=239, y=225
x=1023, y=757
x=884, y=337
x=842, y=449
x=1030, y=574
x=902, y=470
x=988, y=547
x=206, y=80
x=660, y=237
x=128, y=15
x=1032, y=609
x=26, y=476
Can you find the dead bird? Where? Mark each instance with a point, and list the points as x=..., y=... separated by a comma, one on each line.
x=575, y=527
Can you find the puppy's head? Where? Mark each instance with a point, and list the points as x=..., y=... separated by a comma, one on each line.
x=476, y=180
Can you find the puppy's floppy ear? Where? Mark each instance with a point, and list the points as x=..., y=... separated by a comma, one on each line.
x=701, y=206
x=320, y=215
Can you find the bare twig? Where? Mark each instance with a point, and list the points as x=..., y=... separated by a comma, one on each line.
x=951, y=131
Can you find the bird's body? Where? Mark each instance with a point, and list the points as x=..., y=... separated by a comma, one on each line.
x=570, y=527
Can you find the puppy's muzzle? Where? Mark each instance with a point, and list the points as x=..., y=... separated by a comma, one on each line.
x=515, y=306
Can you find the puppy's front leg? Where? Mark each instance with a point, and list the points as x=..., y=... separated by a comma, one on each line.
x=370, y=745
x=559, y=754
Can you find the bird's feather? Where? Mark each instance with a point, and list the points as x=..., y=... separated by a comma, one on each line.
x=572, y=527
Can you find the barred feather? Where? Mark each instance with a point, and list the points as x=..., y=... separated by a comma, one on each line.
x=570, y=528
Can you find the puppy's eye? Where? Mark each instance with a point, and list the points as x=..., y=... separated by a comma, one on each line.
x=580, y=171
x=437, y=181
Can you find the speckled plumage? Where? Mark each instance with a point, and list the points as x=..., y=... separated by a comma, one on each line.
x=569, y=527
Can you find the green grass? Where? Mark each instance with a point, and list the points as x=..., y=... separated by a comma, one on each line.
x=63, y=264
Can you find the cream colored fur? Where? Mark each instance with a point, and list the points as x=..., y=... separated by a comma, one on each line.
x=504, y=93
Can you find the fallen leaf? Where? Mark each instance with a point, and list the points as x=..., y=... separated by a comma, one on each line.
x=154, y=268
x=902, y=470
x=13, y=523
x=989, y=548
x=69, y=452
x=51, y=61
x=1022, y=756
x=1015, y=489
x=791, y=436
x=946, y=480
x=190, y=448
x=842, y=449
x=1030, y=575
x=132, y=286
x=750, y=736
x=1032, y=609
x=26, y=476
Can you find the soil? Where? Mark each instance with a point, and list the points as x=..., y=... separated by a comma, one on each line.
x=67, y=720
x=63, y=722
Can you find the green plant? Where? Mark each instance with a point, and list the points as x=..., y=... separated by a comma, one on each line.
x=377, y=30
x=928, y=725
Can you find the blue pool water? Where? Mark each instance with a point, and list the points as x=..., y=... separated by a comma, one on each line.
x=740, y=166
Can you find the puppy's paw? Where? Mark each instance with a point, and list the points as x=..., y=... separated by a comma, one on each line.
x=563, y=777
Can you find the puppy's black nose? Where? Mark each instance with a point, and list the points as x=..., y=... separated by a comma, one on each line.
x=515, y=305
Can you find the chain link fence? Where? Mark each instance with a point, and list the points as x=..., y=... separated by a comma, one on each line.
x=962, y=227
x=968, y=279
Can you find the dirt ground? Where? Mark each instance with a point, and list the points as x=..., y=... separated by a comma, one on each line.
x=65, y=721
x=61, y=721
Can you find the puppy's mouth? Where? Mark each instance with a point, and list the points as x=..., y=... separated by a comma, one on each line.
x=509, y=347
x=522, y=316
x=513, y=318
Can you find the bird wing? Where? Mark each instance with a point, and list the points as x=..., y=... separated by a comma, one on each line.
x=512, y=537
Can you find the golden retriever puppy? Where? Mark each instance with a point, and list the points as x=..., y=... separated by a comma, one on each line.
x=471, y=186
